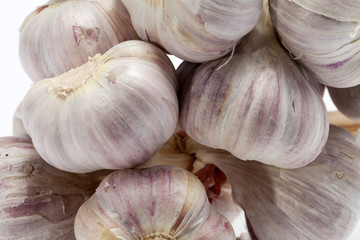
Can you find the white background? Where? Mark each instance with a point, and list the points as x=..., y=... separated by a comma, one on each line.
x=14, y=83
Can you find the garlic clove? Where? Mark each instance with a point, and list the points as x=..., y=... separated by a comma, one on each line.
x=113, y=112
x=259, y=105
x=347, y=101
x=38, y=201
x=195, y=31
x=163, y=202
x=318, y=201
x=322, y=36
x=18, y=126
x=62, y=35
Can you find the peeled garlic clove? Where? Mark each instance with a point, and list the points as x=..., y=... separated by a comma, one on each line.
x=60, y=35
x=163, y=202
x=38, y=201
x=256, y=104
x=196, y=30
x=318, y=201
x=323, y=35
x=347, y=101
x=113, y=112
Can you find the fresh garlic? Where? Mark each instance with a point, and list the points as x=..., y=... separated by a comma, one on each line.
x=38, y=201
x=347, y=101
x=196, y=30
x=62, y=35
x=323, y=35
x=113, y=112
x=18, y=126
x=319, y=201
x=258, y=105
x=163, y=203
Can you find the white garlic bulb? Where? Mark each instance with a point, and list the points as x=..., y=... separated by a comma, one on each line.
x=113, y=112
x=38, y=201
x=62, y=35
x=347, y=101
x=323, y=35
x=196, y=30
x=319, y=201
x=257, y=104
x=18, y=126
x=163, y=202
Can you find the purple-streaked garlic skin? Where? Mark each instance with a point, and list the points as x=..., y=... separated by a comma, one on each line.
x=322, y=36
x=347, y=101
x=167, y=202
x=196, y=30
x=113, y=112
x=258, y=105
x=38, y=201
x=319, y=201
x=62, y=35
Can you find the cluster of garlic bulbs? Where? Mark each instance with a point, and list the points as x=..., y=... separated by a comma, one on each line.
x=233, y=144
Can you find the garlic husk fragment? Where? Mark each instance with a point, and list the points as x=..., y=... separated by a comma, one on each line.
x=258, y=105
x=62, y=35
x=323, y=36
x=113, y=112
x=38, y=201
x=163, y=202
x=347, y=101
x=196, y=30
x=320, y=201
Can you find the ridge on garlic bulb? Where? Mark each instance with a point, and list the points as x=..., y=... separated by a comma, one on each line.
x=113, y=112
x=323, y=35
x=319, y=201
x=162, y=202
x=38, y=201
x=259, y=105
x=62, y=35
x=196, y=30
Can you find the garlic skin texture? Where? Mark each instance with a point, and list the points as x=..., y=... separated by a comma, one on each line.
x=38, y=201
x=18, y=126
x=162, y=202
x=320, y=201
x=113, y=112
x=256, y=104
x=323, y=35
x=62, y=35
x=194, y=30
x=347, y=101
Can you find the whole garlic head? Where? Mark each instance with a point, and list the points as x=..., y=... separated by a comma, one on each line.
x=62, y=35
x=194, y=30
x=38, y=201
x=257, y=104
x=113, y=112
x=162, y=202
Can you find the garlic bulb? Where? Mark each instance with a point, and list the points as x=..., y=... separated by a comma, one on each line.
x=197, y=30
x=319, y=201
x=258, y=104
x=347, y=101
x=38, y=201
x=163, y=202
x=113, y=112
x=323, y=35
x=18, y=126
x=62, y=35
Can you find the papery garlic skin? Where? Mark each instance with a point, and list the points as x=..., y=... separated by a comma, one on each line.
x=163, y=202
x=258, y=106
x=38, y=201
x=62, y=35
x=195, y=31
x=319, y=201
x=323, y=35
x=113, y=112
x=347, y=101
